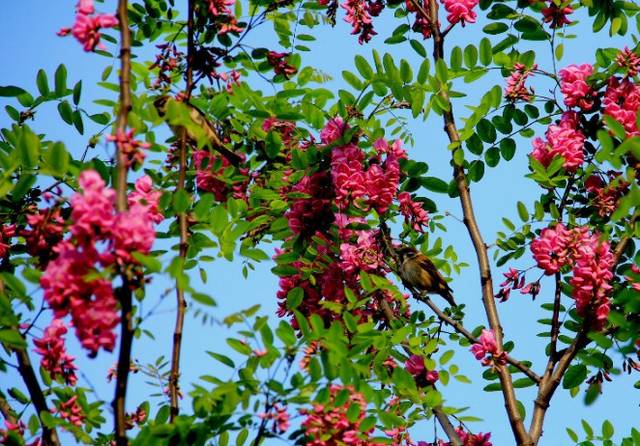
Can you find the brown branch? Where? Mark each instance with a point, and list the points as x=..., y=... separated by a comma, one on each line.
x=49, y=434
x=124, y=292
x=174, y=375
x=469, y=219
x=6, y=410
x=555, y=320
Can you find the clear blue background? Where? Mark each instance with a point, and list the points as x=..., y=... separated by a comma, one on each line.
x=28, y=42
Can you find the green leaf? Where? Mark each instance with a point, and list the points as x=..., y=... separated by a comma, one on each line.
x=57, y=158
x=486, y=131
x=29, y=148
x=363, y=67
x=239, y=346
x=352, y=79
x=12, y=338
x=607, y=429
x=42, y=82
x=575, y=375
x=418, y=48
x=61, y=80
x=66, y=113
x=523, y=213
x=442, y=73
x=492, y=157
x=495, y=28
x=406, y=73
x=295, y=297
x=286, y=334
x=11, y=91
x=223, y=359
x=77, y=91
x=456, y=58
x=181, y=201
x=486, y=53
x=423, y=72
x=434, y=184
x=507, y=149
x=470, y=56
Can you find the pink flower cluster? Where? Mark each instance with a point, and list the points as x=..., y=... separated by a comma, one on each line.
x=16, y=429
x=225, y=20
x=280, y=418
x=129, y=149
x=556, y=15
x=71, y=411
x=422, y=23
x=280, y=65
x=230, y=79
x=101, y=237
x=460, y=10
x=516, y=88
x=563, y=139
x=414, y=215
x=359, y=14
x=87, y=26
x=46, y=230
x=313, y=212
x=212, y=176
x=423, y=377
x=486, y=349
x=7, y=232
x=621, y=101
x=515, y=281
x=55, y=359
x=592, y=263
x=573, y=84
x=364, y=255
x=167, y=61
x=286, y=129
x=628, y=59
x=328, y=425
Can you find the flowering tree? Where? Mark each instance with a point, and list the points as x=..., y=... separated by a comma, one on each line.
x=361, y=352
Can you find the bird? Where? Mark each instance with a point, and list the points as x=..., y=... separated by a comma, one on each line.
x=203, y=129
x=417, y=271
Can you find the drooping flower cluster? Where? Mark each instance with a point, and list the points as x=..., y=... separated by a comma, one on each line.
x=6, y=233
x=230, y=79
x=621, y=101
x=363, y=255
x=55, y=358
x=87, y=26
x=215, y=174
x=563, y=139
x=46, y=228
x=71, y=411
x=128, y=148
x=359, y=13
x=13, y=430
x=414, y=215
x=422, y=23
x=224, y=19
x=556, y=15
x=280, y=65
x=78, y=280
x=628, y=59
x=516, y=88
x=573, y=84
x=328, y=425
x=591, y=261
x=605, y=196
x=423, y=377
x=280, y=418
x=460, y=11
x=167, y=61
x=486, y=349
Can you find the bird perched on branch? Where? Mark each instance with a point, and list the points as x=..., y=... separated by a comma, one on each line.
x=419, y=273
x=202, y=130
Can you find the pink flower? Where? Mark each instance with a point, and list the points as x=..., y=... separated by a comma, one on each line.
x=366, y=255
x=46, y=230
x=516, y=89
x=212, y=176
x=55, y=359
x=414, y=214
x=563, y=139
x=574, y=87
x=71, y=411
x=92, y=210
x=415, y=366
x=85, y=7
x=280, y=418
x=333, y=130
x=487, y=345
x=605, y=197
x=220, y=7
x=128, y=148
x=306, y=215
x=550, y=250
x=86, y=29
x=349, y=178
x=146, y=197
x=280, y=65
x=629, y=60
x=359, y=16
x=6, y=233
x=555, y=15
x=621, y=101
x=460, y=10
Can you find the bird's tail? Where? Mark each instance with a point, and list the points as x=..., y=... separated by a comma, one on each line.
x=447, y=294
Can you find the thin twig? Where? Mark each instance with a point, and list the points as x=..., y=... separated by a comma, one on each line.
x=6, y=410
x=124, y=292
x=174, y=375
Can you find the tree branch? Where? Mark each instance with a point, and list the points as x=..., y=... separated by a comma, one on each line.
x=174, y=376
x=49, y=435
x=124, y=292
x=6, y=410
x=508, y=391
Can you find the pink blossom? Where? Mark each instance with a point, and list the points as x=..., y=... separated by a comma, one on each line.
x=280, y=418
x=212, y=176
x=333, y=130
x=487, y=345
x=6, y=233
x=550, y=250
x=563, y=139
x=305, y=215
x=92, y=210
x=460, y=10
x=85, y=7
x=286, y=129
x=349, y=178
x=516, y=89
x=86, y=29
x=630, y=60
x=146, y=197
x=621, y=101
x=71, y=411
x=358, y=15
x=574, y=87
x=45, y=231
x=129, y=149
x=605, y=197
x=132, y=232
x=555, y=15
x=366, y=255
x=280, y=65
x=415, y=366
x=414, y=214
x=220, y=7
x=55, y=359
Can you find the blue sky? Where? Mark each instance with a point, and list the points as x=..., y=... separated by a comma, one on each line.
x=28, y=42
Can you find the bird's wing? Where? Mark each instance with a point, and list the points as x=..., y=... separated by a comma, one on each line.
x=201, y=119
x=428, y=265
